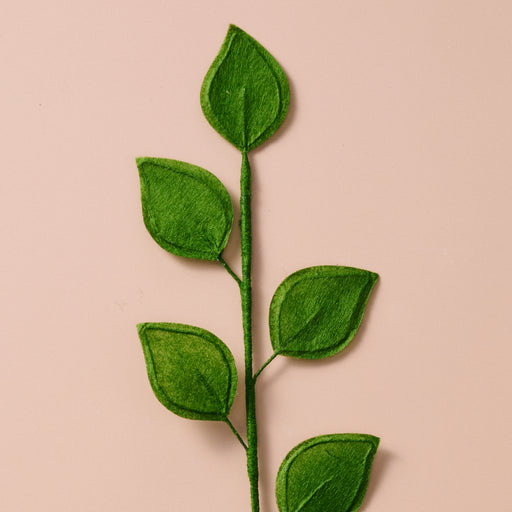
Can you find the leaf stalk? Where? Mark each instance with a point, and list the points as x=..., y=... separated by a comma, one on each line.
x=265, y=364
x=235, y=431
x=229, y=270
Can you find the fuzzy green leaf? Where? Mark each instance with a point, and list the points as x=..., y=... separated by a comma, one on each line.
x=245, y=93
x=326, y=473
x=186, y=209
x=191, y=371
x=316, y=311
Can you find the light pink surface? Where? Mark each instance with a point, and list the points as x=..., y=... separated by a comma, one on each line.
x=395, y=157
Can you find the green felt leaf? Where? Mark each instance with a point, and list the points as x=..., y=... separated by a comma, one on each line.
x=326, y=473
x=191, y=371
x=186, y=209
x=245, y=93
x=316, y=311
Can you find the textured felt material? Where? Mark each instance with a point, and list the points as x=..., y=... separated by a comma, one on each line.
x=316, y=311
x=246, y=299
x=186, y=209
x=191, y=371
x=326, y=474
x=245, y=93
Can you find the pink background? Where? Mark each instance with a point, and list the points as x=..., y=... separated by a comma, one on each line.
x=395, y=157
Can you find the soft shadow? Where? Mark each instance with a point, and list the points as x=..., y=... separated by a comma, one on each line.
x=267, y=479
x=237, y=413
x=198, y=266
x=258, y=265
x=217, y=434
x=381, y=463
x=231, y=253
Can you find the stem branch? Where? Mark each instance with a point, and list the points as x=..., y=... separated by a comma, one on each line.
x=265, y=364
x=230, y=270
x=237, y=435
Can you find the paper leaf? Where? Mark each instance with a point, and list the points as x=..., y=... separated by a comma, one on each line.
x=191, y=371
x=245, y=93
x=326, y=473
x=186, y=209
x=316, y=311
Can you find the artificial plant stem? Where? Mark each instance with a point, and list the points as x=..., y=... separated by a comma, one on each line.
x=246, y=296
x=230, y=270
x=235, y=431
x=265, y=364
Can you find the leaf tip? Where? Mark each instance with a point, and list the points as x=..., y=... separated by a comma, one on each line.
x=140, y=161
x=374, y=441
x=235, y=29
x=141, y=328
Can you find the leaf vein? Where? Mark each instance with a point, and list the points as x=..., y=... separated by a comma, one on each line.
x=315, y=491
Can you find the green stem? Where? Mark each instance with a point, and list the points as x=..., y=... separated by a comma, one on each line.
x=265, y=364
x=230, y=270
x=246, y=296
x=235, y=431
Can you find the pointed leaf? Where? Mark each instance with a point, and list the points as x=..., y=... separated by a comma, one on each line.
x=245, y=93
x=316, y=311
x=186, y=209
x=326, y=473
x=191, y=371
